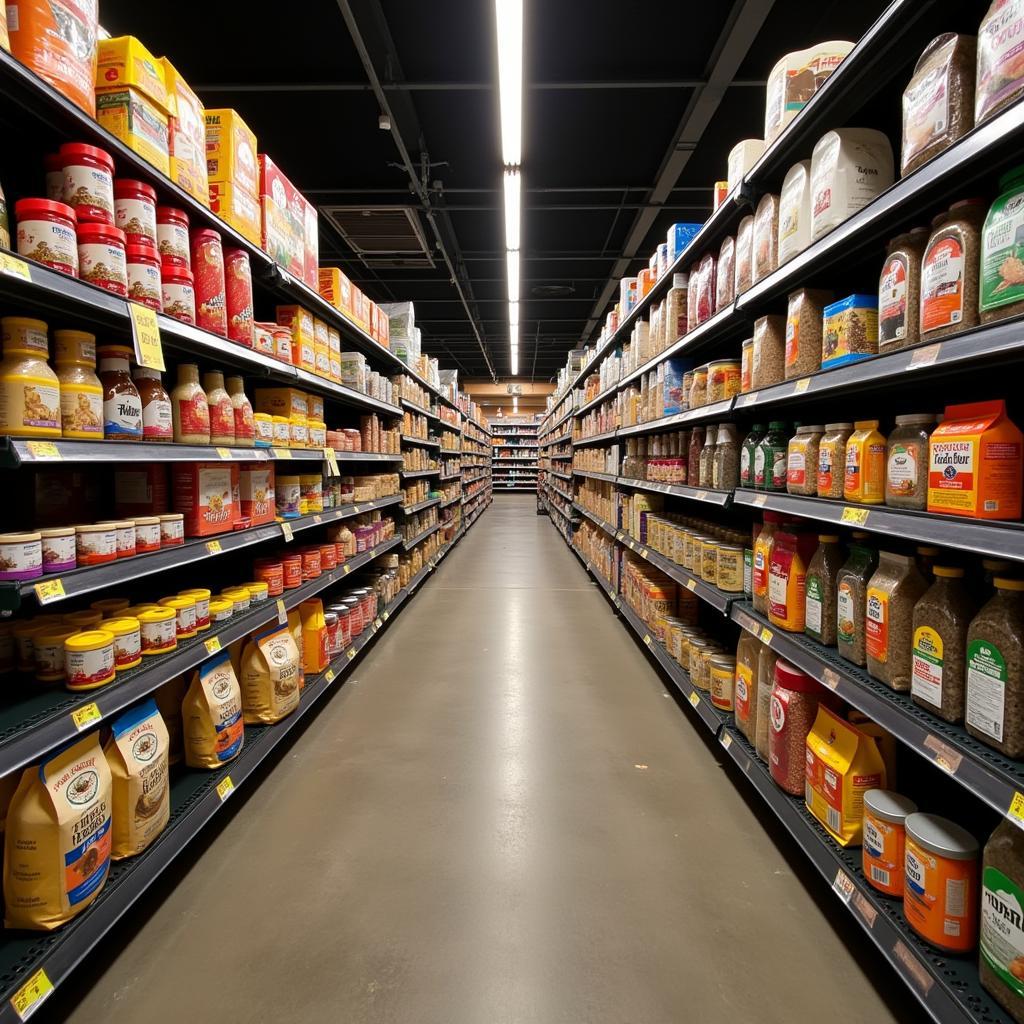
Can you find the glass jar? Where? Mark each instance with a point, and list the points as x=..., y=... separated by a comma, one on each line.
x=899, y=292
x=222, y=412
x=122, y=405
x=802, y=460
x=864, y=479
x=770, y=458
x=762, y=559
x=832, y=459
x=906, y=462
x=24, y=372
x=189, y=407
x=157, y=422
x=820, y=601
x=851, y=594
x=726, y=468
x=750, y=443
x=699, y=387
x=707, y=459
x=949, y=271
x=794, y=706
x=723, y=380
x=995, y=681
x=893, y=590
x=81, y=393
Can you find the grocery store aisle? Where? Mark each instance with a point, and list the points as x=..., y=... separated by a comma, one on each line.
x=500, y=818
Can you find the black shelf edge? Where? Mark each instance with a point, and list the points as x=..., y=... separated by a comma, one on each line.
x=994, y=538
x=705, y=412
x=563, y=476
x=450, y=501
x=703, y=494
x=583, y=442
x=609, y=478
x=422, y=442
x=411, y=474
x=420, y=410
x=451, y=451
x=408, y=510
x=565, y=438
x=449, y=476
x=420, y=537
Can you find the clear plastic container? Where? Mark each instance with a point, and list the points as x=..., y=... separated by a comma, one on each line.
x=802, y=460
x=832, y=459
x=794, y=706
x=745, y=691
x=31, y=405
x=81, y=394
x=851, y=594
x=899, y=292
x=949, y=271
x=822, y=576
x=864, y=480
x=906, y=462
x=750, y=443
x=893, y=590
x=190, y=408
x=222, y=412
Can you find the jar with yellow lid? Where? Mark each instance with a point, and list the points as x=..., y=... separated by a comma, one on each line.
x=263, y=427
x=282, y=432
x=81, y=394
x=110, y=606
x=239, y=596
x=89, y=659
x=48, y=653
x=258, y=591
x=29, y=389
x=185, y=612
x=158, y=627
x=201, y=596
x=23, y=633
x=127, y=641
x=317, y=434
x=298, y=432
x=723, y=677
x=221, y=610
x=136, y=610
x=88, y=619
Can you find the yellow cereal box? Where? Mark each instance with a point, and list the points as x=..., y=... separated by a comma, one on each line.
x=336, y=288
x=237, y=208
x=300, y=320
x=124, y=61
x=138, y=122
x=187, y=135
x=281, y=402
x=231, y=152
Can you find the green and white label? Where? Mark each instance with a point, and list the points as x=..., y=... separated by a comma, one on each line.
x=926, y=666
x=814, y=605
x=1002, y=928
x=986, y=688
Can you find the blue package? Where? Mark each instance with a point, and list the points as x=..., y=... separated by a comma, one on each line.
x=672, y=388
x=849, y=330
x=679, y=237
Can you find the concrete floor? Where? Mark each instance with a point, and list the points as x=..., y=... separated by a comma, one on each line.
x=502, y=817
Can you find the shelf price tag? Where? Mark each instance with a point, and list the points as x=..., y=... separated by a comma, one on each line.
x=348, y=569
x=318, y=519
x=830, y=677
x=49, y=591
x=726, y=739
x=1016, y=810
x=213, y=547
x=42, y=451
x=281, y=453
x=31, y=995
x=225, y=788
x=329, y=675
x=332, y=462
x=377, y=623
x=924, y=356
x=14, y=267
x=212, y=645
x=857, y=516
x=759, y=501
x=801, y=385
x=943, y=754
x=84, y=716
x=286, y=532
x=224, y=453
x=702, y=495
x=282, y=612
x=386, y=616
x=694, y=698
x=350, y=653
x=766, y=635
x=146, y=336
x=647, y=639
x=843, y=886
x=691, y=585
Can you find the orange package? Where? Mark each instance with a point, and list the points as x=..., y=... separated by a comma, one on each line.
x=336, y=288
x=57, y=40
x=975, y=463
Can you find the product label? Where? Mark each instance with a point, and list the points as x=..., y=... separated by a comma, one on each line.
x=826, y=468
x=179, y=301
x=49, y=243
x=892, y=299
x=137, y=219
x=877, y=624
x=172, y=243
x=778, y=469
x=925, y=110
x=814, y=604
x=156, y=420
x=926, y=666
x=759, y=464
x=81, y=411
x=942, y=285
x=902, y=471
x=1000, y=44
x=223, y=700
x=846, y=612
x=760, y=578
x=986, y=688
x=103, y=266
x=744, y=686
x=222, y=418
x=874, y=841
x=89, y=188
x=122, y=415
x=796, y=468
x=1002, y=928
x=1002, y=253
x=194, y=416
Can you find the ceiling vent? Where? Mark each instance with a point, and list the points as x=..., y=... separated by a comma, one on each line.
x=382, y=237
x=553, y=291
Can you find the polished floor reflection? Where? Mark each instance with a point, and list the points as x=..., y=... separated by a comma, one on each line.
x=502, y=817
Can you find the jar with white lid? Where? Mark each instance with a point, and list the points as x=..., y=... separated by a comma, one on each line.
x=147, y=534
x=58, y=549
x=95, y=544
x=124, y=536
x=172, y=529
x=21, y=556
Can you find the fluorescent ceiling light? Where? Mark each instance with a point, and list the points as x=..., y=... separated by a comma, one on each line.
x=515, y=362
x=513, y=192
x=512, y=261
x=513, y=335
x=513, y=314
x=509, y=16
x=515, y=404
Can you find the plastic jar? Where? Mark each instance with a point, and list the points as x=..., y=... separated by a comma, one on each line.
x=940, y=894
x=157, y=419
x=147, y=534
x=111, y=607
x=88, y=182
x=746, y=366
x=793, y=707
x=770, y=458
x=851, y=597
x=259, y=591
x=122, y=404
x=768, y=364
x=95, y=544
x=707, y=567
x=282, y=431
x=328, y=556
x=46, y=234
x=906, y=462
x=201, y=596
x=222, y=411
x=1001, y=943
x=172, y=529
x=802, y=460
x=263, y=429
x=699, y=387
x=190, y=409
x=127, y=641
x=762, y=560
x=310, y=563
x=317, y=434
x=144, y=276
x=239, y=596
x=730, y=568
x=24, y=372
x=723, y=676
x=723, y=379
x=102, y=257
x=893, y=590
x=820, y=602
x=89, y=659
x=81, y=394
x=208, y=272
x=899, y=292
x=949, y=271
x=271, y=572
x=745, y=685
x=298, y=432
x=291, y=565
x=221, y=610
x=172, y=240
x=884, y=851
x=21, y=556
x=864, y=479
x=48, y=653
x=124, y=536
x=832, y=459
x=178, y=293
x=238, y=296
x=245, y=429
x=747, y=449
x=787, y=579
x=805, y=309
x=135, y=211
x=158, y=630
x=184, y=608
x=58, y=549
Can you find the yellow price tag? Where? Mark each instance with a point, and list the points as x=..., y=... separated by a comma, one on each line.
x=647, y=639
x=691, y=584
x=350, y=653
x=224, y=453
x=348, y=569
x=760, y=500
x=727, y=740
x=329, y=675
x=318, y=519
x=386, y=616
x=694, y=698
x=643, y=553
x=213, y=547
x=702, y=495
x=1016, y=810
x=16, y=268
x=49, y=591
x=212, y=645
x=286, y=532
x=766, y=635
x=146, y=335
x=282, y=612
x=225, y=788
x=801, y=385
x=41, y=450
x=924, y=356
x=84, y=716
x=281, y=453
x=355, y=509
x=377, y=623
x=332, y=462
x=30, y=996
x=857, y=516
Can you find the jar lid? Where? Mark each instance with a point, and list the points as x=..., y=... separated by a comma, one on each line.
x=172, y=517
x=828, y=538
x=1002, y=583
x=171, y=271
x=94, y=528
x=160, y=614
x=994, y=564
x=142, y=253
x=915, y=417
x=25, y=209
x=118, y=524
x=178, y=602
x=58, y=531
x=19, y=538
x=171, y=213
x=866, y=424
x=147, y=520
x=127, y=187
x=71, y=151
x=114, y=352
x=205, y=235
x=941, y=836
x=236, y=593
x=791, y=678
x=723, y=660
x=119, y=627
x=830, y=427
x=256, y=585
x=330, y=618
x=201, y=592
x=889, y=806
x=89, y=640
x=109, y=605
x=219, y=605
x=952, y=572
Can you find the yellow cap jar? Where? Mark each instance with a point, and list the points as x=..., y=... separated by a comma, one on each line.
x=221, y=609
x=24, y=634
x=185, y=612
x=158, y=630
x=201, y=596
x=110, y=605
x=298, y=431
x=89, y=659
x=317, y=434
x=30, y=389
x=239, y=596
x=282, y=431
x=48, y=652
x=89, y=619
x=81, y=393
x=263, y=425
x=127, y=641
x=258, y=591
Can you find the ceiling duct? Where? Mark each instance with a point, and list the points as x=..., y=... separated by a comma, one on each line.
x=382, y=237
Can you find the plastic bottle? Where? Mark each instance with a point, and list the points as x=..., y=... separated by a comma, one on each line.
x=245, y=425
x=122, y=404
x=222, y=411
x=29, y=389
x=157, y=421
x=865, y=464
x=81, y=394
x=190, y=410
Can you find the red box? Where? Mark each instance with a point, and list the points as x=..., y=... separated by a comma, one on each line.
x=282, y=218
x=256, y=492
x=203, y=493
x=311, y=238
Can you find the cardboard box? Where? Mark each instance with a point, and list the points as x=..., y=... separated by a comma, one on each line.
x=281, y=402
x=401, y=319
x=138, y=122
x=335, y=288
x=123, y=61
x=311, y=238
x=283, y=212
x=256, y=492
x=300, y=320
x=353, y=370
x=203, y=493
x=187, y=130
x=231, y=152
x=237, y=209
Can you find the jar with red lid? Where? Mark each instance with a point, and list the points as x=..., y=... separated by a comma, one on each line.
x=291, y=566
x=328, y=557
x=282, y=343
x=310, y=563
x=208, y=278
x=178, y=293
x=46, y=234
x=135, y=211
x=88, y=181
x=54, y=167
x=271, y=572
x=172, y=241
x=331, y=634
x=355, y=616
x=101, y=257
x=793, y=706
x=238, y=296
x=344, y=624
x=144, y=276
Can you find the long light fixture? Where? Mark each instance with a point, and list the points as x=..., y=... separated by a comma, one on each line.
x=509, y=23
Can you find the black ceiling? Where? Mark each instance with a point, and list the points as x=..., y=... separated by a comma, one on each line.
x=605, y=99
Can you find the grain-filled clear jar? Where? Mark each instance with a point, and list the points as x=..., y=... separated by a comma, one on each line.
x=802, y=460
x=899, y=292
x=745, y=685
x=722, y=681
x=730, y=568
x=723, y=379
x=851, y=594
x=750, y=443
x=832, y=459
x=949, y=271
x=767, y=659
x=906, y=462
x=804, y=317
x=699, y=387
x=820, y=597
x=762, y=558
x=769, y=352
x=725, y=469
x=746, y=366
x=770, y=458
x=705, y=467
x=893, y=590
x=794, y=706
